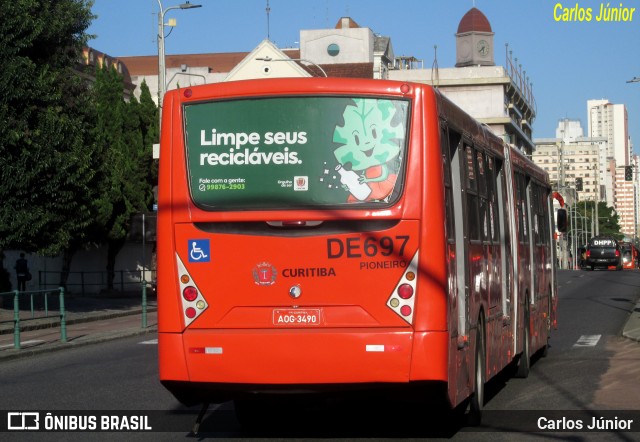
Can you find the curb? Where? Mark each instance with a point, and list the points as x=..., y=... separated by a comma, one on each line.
x=54, y=321
x=13, y=354
x=632, y=327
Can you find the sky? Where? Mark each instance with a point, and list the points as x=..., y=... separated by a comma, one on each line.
x=568, y=61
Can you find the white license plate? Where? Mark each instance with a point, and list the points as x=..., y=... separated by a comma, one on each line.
x=296, y=317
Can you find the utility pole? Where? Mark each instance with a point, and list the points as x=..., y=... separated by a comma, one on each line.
x=162, y=73
x=597, y=193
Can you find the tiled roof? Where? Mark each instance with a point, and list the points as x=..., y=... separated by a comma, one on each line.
x=349, y=70
x=225, y=62
x=346, y=22
x=217, y=62
x=474, y=20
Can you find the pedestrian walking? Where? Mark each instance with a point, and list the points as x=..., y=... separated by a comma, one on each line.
x=22, y=272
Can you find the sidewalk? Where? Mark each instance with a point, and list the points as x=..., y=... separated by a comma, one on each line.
x=632, y=327
x=89, y=319
x=98, y=319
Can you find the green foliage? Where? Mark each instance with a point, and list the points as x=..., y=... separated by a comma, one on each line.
x=45, y=137
x=124, y=189
x=75, y=158
x=150, y=130
x=608, y=223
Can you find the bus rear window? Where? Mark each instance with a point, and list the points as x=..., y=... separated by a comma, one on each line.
x=296, y=152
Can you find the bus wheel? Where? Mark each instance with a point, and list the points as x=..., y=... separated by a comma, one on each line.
x=476, y=403
x=524, y=364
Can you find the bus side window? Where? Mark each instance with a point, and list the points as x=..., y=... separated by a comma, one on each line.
x=541, y=218
x=491, y=199
x=483, y=197
x=544, y=198
x=521, y=198
x=534, y=214
x=445, y=139
x=472, y=193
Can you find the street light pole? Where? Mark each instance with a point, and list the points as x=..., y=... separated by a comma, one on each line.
x=162, y=82
x=564, y=242
x=597, y=197
x=596, y=170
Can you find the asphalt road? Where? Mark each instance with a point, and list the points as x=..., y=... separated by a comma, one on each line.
x=588, y=367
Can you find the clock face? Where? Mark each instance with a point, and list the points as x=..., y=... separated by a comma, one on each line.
x=483, y=48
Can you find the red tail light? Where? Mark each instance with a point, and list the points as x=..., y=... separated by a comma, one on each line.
x=193, y=302
x=405, y=291
x=406, y=310
x=588, y=253
x=190, y=293
x=617, y=253
x=403, y=298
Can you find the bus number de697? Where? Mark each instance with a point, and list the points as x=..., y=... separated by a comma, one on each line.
x=296, y=317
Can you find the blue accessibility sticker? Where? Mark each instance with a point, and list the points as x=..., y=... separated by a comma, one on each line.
x=199, y=250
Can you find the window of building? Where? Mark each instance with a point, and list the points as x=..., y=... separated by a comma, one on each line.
x=333, y=49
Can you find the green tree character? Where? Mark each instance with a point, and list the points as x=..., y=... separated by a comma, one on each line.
x=370, y=147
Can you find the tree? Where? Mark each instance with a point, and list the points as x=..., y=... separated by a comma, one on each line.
x=46, y=176
x=148, y=117
x=124, y=189
x=607, y=218
x=608, y=221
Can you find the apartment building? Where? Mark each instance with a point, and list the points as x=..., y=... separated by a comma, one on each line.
x=571, y=158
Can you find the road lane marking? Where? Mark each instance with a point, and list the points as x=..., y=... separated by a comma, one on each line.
x=150, y=342
x=587, y=341
x=33, y=341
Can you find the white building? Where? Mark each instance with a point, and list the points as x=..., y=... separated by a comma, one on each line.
x=568, y=130
x=611, y=121
x=569, y=161
x=499, y=96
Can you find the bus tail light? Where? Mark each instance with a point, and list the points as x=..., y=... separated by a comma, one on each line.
x=193, y=303
x=190, y=293
x=402, y=299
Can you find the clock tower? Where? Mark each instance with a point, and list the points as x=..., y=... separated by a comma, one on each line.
x=474, y=40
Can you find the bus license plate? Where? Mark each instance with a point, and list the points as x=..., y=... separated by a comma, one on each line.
x=296, y=317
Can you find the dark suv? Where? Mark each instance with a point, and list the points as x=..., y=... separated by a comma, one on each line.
x=604, y=252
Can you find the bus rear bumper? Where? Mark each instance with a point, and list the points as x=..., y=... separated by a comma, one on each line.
x=253, y=361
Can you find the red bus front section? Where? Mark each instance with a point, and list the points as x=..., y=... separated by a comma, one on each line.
x=257, y=293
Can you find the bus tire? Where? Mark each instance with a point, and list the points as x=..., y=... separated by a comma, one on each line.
x=524, y=363
x=476, y=402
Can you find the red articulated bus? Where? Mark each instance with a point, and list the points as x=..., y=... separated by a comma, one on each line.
x=331, y=233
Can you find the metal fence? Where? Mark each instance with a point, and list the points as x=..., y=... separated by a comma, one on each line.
x=93, y=282
x=32, y=296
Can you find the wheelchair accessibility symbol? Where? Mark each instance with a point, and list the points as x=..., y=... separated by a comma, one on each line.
x=199, y=250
